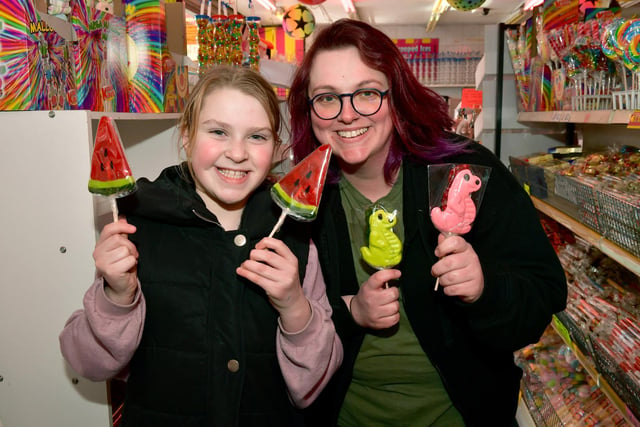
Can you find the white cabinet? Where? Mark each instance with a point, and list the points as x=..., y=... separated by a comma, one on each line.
x=49, y=223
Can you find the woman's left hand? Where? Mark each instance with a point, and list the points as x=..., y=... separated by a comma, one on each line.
x=459, y=268
x=273, y=267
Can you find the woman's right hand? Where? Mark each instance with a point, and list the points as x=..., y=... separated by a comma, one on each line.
x=116, y=260
x=376, y=305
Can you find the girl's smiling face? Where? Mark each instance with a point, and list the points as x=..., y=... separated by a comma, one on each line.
x=356, y=140
x=233, y=149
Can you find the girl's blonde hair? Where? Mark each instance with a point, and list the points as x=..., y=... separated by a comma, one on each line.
x=245, y=80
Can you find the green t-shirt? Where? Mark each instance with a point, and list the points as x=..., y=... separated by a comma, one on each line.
x=393, y=383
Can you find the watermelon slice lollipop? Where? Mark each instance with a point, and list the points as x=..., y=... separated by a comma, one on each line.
x=110, y=172
x=298, y=193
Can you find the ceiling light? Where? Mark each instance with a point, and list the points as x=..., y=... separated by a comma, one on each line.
x=267, y=4
x=348, y=6
x=439, y=7
x=530, y=4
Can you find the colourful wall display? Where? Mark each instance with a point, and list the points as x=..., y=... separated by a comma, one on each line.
x=286, y=49
x=35, y=68
x=147, y=37
x=100, y=58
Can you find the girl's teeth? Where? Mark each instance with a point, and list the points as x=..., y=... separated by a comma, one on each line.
x=232, y=174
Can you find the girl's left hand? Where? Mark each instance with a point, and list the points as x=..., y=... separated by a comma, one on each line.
x=273, y=267
x=459, y=268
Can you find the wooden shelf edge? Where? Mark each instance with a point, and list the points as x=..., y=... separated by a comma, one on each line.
x=135, y=116
x=588, y=365
x=603, y=117
x=623, y=257
x=523, y=416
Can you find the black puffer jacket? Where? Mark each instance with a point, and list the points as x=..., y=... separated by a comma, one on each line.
x=471, y=345
x=208, y=353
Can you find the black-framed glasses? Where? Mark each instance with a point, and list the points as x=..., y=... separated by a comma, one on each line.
x=365, y=102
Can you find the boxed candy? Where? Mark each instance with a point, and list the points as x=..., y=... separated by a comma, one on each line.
x=36, y=70
x=100, y=58
x=157, y=83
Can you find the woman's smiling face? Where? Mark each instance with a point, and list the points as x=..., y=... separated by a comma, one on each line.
x=355, y=139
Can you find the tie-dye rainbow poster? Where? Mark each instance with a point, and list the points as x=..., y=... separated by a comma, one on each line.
x=146, y=29
x=100, y=58
x=35, y=69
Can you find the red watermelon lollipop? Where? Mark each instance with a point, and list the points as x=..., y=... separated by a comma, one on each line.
x=298, y=193
x=110, y=172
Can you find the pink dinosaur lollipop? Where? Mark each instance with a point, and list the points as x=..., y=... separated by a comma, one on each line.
x=460, y=210
x=454, y=197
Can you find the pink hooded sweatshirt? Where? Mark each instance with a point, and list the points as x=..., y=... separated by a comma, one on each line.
x=100, y=340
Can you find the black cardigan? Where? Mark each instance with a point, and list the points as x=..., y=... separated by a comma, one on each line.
x=471, y=345
x=208, y=350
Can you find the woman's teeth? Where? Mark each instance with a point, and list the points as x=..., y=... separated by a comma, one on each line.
x=352, y=133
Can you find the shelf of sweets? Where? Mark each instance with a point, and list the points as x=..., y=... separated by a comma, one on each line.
x=600, y=322
x=603, y=117
x=618, y=254
x=524, y=417
x=95, y=115
x=134, y=116
x=556, y=390
x=589, y=366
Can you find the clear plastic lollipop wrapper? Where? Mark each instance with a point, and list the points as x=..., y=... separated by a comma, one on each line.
x=298, y=193
x=110, y=172
x=455, y=194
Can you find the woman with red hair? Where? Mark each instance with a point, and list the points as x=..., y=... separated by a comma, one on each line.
x=415, y=356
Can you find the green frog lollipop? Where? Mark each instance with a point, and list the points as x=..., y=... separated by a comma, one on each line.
x=385, y=248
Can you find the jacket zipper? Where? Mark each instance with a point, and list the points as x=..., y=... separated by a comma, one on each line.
x=202, y=217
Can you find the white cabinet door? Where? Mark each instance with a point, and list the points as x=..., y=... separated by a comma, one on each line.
x=46, y=240
x=48, y=227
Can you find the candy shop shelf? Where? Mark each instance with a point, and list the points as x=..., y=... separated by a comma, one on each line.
x=453, y=85
x=523, y=414
x=590, y=367
x=134, y=116
x=603, y=117
x=613, y=251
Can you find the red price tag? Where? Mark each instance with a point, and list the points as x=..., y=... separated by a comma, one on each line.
x=634, y=120
x=471, y=98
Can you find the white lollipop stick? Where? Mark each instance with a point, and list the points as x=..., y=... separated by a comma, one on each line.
x=114, y=208
x=276, y=227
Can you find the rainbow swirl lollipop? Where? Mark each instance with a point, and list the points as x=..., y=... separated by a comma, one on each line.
x=623, y=34
x=607, y=42
x=631, y=57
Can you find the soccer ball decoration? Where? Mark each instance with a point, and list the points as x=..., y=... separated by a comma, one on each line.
x=298, y=22
x=466, y=5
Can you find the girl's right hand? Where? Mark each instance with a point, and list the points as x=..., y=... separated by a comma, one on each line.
x=116, y=260
x=376, y=305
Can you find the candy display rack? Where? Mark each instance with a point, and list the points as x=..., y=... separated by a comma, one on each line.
x=589, y=364
x=587, y=349
x=594, y=121
x=625, y=100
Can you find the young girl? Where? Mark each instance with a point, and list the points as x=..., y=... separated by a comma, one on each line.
x=211, y=322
